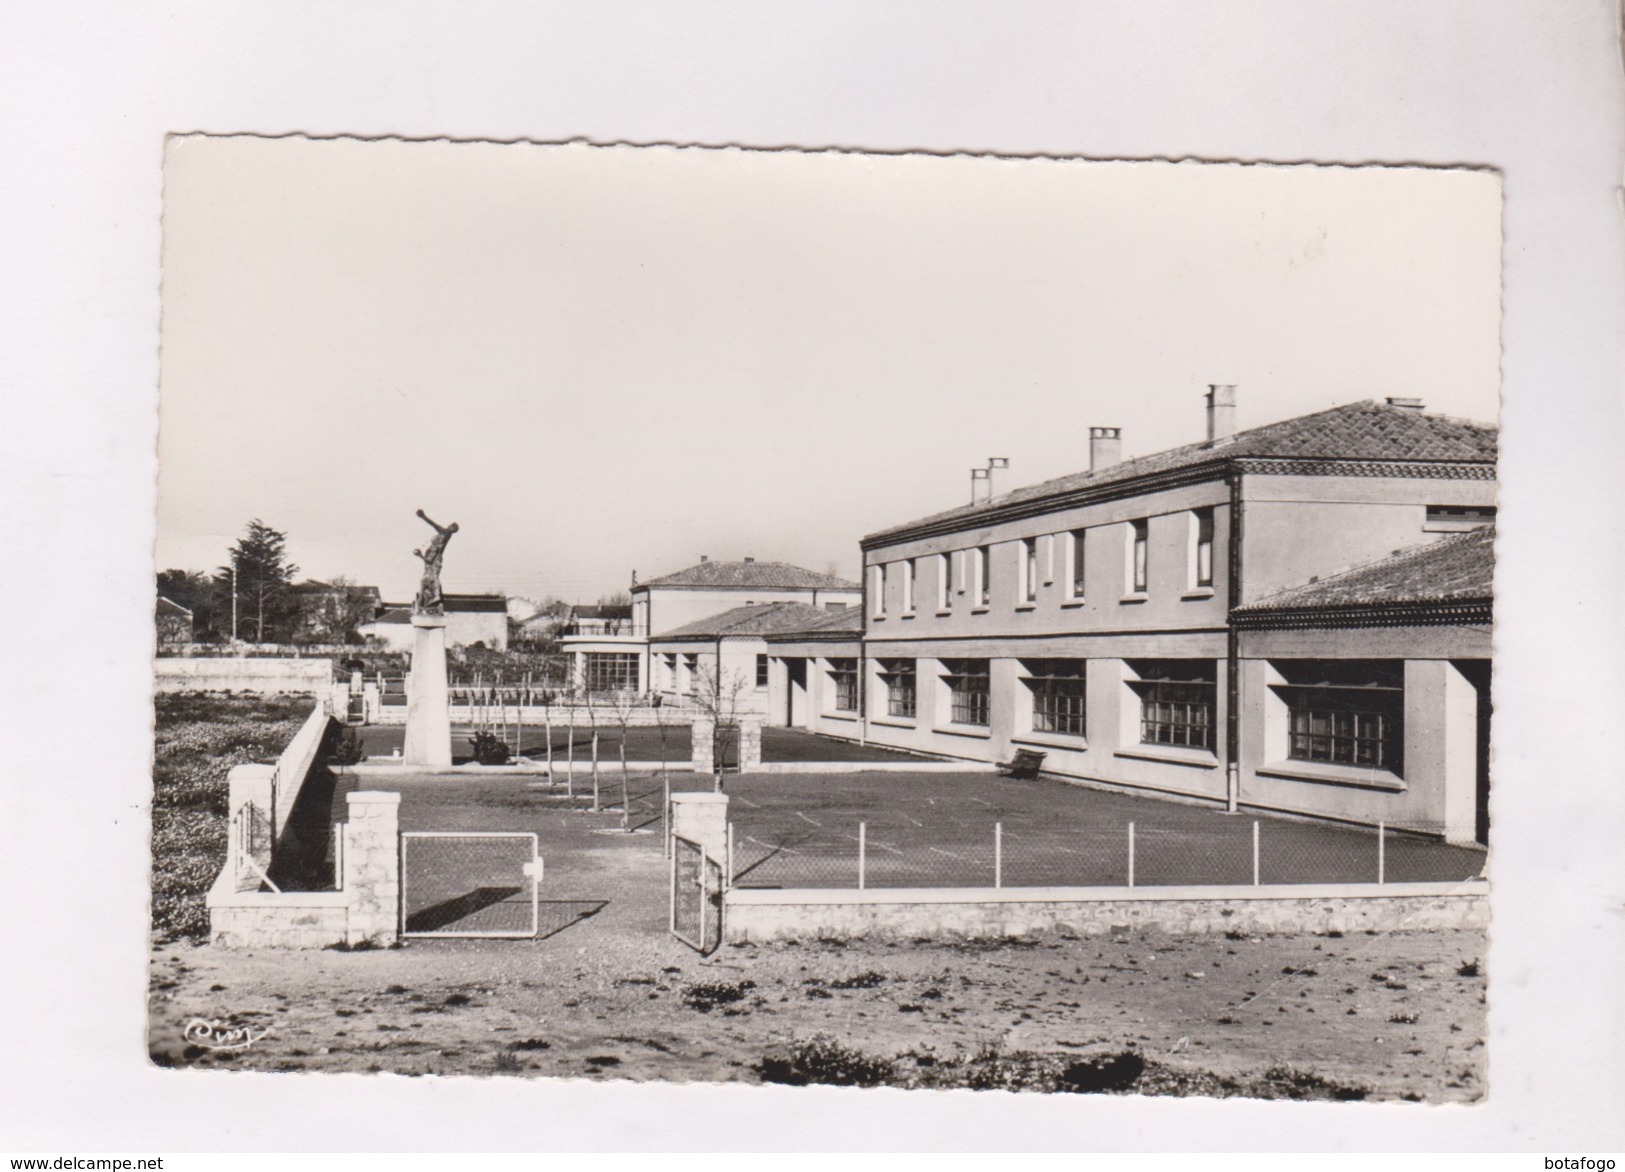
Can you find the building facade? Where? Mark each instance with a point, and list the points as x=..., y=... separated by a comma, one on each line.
x=621, y=659
x=1091, y=618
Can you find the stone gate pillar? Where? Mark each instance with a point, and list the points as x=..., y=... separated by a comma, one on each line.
x=702, y=818
x=703, y=745
x=372, y=867
x=750, y=743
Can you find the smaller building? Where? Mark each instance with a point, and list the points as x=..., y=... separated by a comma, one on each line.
x=724, y=661
x=471, y=619
x=174, y=623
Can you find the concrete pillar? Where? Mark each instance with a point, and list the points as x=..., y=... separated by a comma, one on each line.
x=251, y=839
x=750, y=743
x=1460, y=758
x=428, y=719
x=702, y=818
x=703, y=746
x=370, y=703
x=372, y=867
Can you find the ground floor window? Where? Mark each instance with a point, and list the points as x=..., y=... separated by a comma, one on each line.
x=1178, y=698
x=1057, y=687
x=968, y=688
x=761, y=671
x=612, y=671
x=669, y=665
x=843, y=673
x=1347, y=712
x=691, y=671
x=899, y=676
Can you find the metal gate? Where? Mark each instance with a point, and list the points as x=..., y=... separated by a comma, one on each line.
x=696, y=896
x=470, y=883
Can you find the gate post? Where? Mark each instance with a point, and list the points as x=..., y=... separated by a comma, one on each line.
x=372, y=867
x=702, y=818
x=703, y=745
x=254, y=787
x=750, y=743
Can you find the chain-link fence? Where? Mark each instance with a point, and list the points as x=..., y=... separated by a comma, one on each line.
x=696, y=896
x=804, y=851
x=469, y=884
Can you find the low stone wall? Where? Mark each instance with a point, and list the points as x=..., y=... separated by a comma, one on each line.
x=265, y=676
x=364, y=911
x=537, y=715
x=295, y=764
x=911, y=913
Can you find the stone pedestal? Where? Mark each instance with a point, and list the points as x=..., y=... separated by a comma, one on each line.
x=428, y=718
x=750, y=743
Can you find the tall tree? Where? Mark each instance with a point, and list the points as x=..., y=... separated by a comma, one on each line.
x=263, y=574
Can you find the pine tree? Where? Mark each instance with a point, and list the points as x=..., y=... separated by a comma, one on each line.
x=263, y=576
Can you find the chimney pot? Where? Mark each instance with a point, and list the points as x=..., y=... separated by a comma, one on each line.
x=1221, y=411
x=1105, y=447
x=704, y=558
x=1406, y=404
x=750, y=561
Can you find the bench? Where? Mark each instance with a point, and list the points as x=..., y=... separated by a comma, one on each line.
x=1026, y=763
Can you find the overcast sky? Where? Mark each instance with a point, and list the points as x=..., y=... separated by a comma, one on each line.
x=605, y=359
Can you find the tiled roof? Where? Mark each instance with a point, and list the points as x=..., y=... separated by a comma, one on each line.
x=172, y=606
x=1454, y=569
x=772, y=618
x=1355, y=431
x=748, y=575
x=846, y=621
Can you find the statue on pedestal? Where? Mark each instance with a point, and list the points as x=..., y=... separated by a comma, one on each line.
x=429, y=600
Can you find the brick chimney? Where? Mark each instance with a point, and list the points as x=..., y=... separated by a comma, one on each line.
x=704, y=558
x=1221, y=411
x=750, y=561
x=1105, y=447
x=1406, y=404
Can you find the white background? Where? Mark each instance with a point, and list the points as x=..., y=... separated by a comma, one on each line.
x=89, y=90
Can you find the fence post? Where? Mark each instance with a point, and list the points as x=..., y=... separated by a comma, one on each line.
x=728, y=875
x=1382, y=853
x=1131, y=854
x=665, y=813
x=863, y=848
x=998, y=854
x=595, y=771
x=1255, y=854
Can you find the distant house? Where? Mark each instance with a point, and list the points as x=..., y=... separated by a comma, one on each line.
x=328, y=612
x=617, y=658
x=470, y=619
x=174, y=623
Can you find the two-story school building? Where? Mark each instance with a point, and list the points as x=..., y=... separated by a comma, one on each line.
x=1095, y=618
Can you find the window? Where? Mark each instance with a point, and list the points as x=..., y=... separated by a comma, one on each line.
x=945, y=582
x=877, y=588
x=1202, y=566
x=691, y=671
x=1139, y=538
x=908, y=586
x=1029, y=569
x=761, y=671
x=669, y=666
x=984, y=570
x=844, y=674
x=968, y=690
x=1057, y=686
x=901, y=692
x=1177, y=700
x=1457, y=518
x=612, y=671
x=1074, y=553
x=1348, y=712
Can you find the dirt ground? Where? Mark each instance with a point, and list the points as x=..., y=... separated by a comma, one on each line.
x=1384, y=1017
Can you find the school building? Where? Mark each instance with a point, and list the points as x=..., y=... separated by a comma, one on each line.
x=1293, y=618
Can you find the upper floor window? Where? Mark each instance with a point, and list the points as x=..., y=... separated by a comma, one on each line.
x=984, y=576
x=1202, y=560
x=1029, y=569
x=877, y=589
x=908, y=586
x=1138, y=556
x=761, y=671
x=945, y=581
x=1457, y=518
x=1074, y=562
